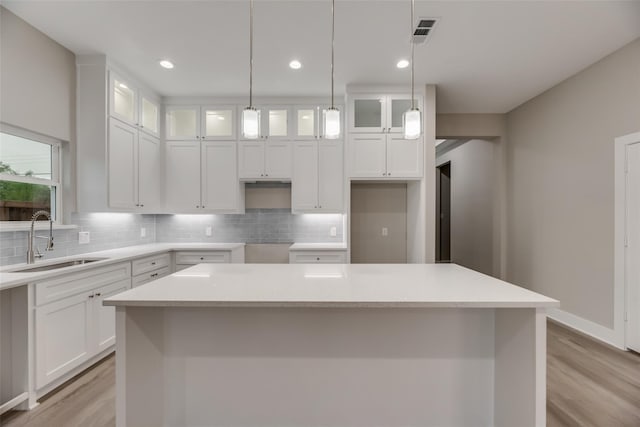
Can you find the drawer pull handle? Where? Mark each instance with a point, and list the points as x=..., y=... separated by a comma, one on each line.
x=154, y=275
x=201, y=258
x=318, y=259
x=98, y=294
x=91, y=296
x=153, y=263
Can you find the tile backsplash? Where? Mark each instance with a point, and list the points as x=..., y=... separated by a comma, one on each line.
x=107, y=231
x=114, y=230
x=255, y=226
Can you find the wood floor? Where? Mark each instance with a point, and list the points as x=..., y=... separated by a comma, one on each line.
x=589, y=384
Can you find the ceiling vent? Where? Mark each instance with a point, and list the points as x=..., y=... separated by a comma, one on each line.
x=424, y=29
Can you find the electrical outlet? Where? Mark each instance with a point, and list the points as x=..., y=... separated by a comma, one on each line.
x=385, y=231
x=333, y=232
x=143, y=232
x=84, y=237
x=208, y=231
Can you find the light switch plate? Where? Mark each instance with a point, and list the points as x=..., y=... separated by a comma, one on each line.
x=385, y=231
x=143, y=232
x=333, y=232
x=208, y=231
x=84, y=237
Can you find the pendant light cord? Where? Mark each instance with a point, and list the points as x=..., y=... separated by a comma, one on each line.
x=333, y=26
x=413, y=101
x=250, y=53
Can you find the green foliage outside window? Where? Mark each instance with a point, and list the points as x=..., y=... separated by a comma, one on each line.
x=22, y=192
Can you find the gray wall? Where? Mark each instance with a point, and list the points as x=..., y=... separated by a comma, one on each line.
x=560, y=181
x=37, y=79
x=472, y=204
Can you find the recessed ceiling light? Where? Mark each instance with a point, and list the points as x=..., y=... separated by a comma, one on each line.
x=166, y=64
x=295, y=64
x=403, y=63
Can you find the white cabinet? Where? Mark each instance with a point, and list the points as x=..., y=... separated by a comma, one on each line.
x=148, y=269
x=374, y=113
x=317, y=257
x=202, y=177
x=317, y=183
x=195, y=122
x=133, y=168
x=132, y=105
x=275, y=122
x=71, y=324
x=309, y=121
x=385, y=156
x=264, y=160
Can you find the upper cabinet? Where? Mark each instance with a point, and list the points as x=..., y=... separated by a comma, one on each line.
x=132, y=105
x=370, y=113
x=309, y=121
x=195, y=122
x=275, y=122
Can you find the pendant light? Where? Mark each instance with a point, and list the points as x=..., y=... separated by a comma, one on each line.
x=250, y=116
x=332, y=114
x=411, y=119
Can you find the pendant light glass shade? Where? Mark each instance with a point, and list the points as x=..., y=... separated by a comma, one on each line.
x=331, y=123
x=250, y=123
x=411, y=122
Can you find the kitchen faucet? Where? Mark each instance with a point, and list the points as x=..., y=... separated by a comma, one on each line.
x=30, y=254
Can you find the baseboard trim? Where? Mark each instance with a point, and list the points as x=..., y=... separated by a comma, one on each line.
x=594, y=330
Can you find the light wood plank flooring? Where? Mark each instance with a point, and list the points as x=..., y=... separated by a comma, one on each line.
x=589, y=384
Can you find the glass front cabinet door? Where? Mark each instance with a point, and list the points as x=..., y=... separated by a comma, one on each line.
x=367, y=113
x=218, y=122
x=123, y=99
x=183, y=122
x=306, y=122
x=149, y=115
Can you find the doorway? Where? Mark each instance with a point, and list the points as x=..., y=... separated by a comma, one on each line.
x=632, y=249
x=379, y=223
x=443, y=213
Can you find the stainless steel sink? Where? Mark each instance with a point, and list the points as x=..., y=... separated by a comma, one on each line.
x=56, y=265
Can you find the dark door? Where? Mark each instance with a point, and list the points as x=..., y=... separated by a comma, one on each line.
x=443, y=213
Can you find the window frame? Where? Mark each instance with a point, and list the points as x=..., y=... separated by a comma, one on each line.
x=56, y=174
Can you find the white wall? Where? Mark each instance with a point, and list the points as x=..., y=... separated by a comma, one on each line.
x=560, y=184
x=37, y=80
x=472, y=204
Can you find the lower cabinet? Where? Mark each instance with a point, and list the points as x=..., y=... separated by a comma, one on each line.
x=317, y=257
x=148, y=269
x=188, y=259
x=73, y=328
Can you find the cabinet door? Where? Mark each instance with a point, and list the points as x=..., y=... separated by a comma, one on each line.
x=183, y=122
x=367, y=156
x=304, y=183
x=306, y=122
x=63, y=339
x=275, y=122
x=123, y=99
x=367, y=113
x=278, y=159
x=220, y=185
x=149, y=115
x=397, y=105
x=404, y=157
x=250, y=159
x=149, y=169
x=218, y=122
x=104, y=318
x=182, y=178
x=123, y=165
x=330, y=175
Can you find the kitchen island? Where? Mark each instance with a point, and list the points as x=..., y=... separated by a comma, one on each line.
x=330, y=345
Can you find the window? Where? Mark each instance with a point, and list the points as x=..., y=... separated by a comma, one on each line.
x=29, y=175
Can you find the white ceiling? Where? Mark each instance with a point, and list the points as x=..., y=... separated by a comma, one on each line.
x=485, y=56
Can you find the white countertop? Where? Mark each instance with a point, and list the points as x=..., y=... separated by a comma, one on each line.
x=318, y=247
x=329, y=285
x=9, y=279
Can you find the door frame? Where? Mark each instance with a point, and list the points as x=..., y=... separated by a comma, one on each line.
x=621, y=301
x=438, y=209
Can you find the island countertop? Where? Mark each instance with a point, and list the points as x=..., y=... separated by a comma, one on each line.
x=330, y=285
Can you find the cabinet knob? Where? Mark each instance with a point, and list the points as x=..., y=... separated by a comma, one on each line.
x=318, y=259
x=202, y=206
x=384, y=174
x=266, y=174
x=137, y=204
x=261, y=174
x=320, y=206
x=98, y=294
x=142, y=206
x=141, y=126
x=91, y=296
x=389, y=174
x=201, y=258
x=197, y=206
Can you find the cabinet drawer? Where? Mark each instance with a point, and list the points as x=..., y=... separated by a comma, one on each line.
x=75, y=283
x=145, y=265
x=192, y=258
x=149, y=276
x=324, y=257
